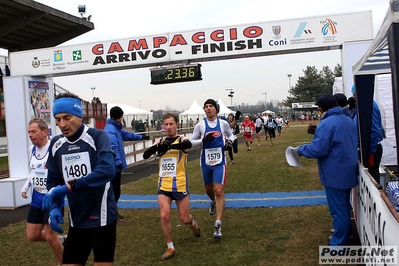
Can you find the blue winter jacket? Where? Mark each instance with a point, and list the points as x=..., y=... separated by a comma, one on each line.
x=335, y=147
x=117, y=135
x=346, y=111
x=86, y=157
x=376, y=127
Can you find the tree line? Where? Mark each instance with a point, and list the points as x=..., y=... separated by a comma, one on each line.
x=312, y=84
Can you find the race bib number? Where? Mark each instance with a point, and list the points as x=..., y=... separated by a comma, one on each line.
x=167, y=167
x=247, y=129
x=39, y=180
x=75, y=165
x=213, y=156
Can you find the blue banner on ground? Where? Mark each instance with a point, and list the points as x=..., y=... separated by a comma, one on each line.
x=234, y=200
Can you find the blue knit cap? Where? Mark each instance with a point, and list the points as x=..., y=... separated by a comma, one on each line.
x=214, y=103
x=71, y=106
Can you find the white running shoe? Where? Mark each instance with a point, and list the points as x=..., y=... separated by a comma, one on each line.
x=212, y=208
x=217, y=233
x=62, y=238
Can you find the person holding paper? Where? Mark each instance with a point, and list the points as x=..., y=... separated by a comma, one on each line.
x=335, y=147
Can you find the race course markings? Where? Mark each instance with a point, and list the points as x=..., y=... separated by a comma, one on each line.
x=234, y=200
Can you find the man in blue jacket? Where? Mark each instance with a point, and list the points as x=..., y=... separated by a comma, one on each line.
x=117, y=135
x=342, y=101
x=335, y=147
x=81, y=165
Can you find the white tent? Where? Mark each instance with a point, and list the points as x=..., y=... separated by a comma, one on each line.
x=224, y=110
x=268, y=112
x=131, y=113
x=194, y=112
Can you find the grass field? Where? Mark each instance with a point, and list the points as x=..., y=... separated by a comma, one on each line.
x=251, y=236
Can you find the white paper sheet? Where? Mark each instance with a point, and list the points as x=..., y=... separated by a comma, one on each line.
x=291, y=157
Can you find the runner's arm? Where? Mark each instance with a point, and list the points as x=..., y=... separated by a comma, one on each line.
x=184, y=144
x=225, y=127
x=151, y=150
x=196, y=137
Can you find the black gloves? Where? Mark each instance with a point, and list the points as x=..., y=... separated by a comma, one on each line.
x=238, y=113
x=145, y=137
x=162, y=148
x=228, y=144
x=119, y=166
x=208, y=137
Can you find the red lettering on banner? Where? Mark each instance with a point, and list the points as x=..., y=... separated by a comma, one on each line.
x=159, y=40
x=215, y=35
x=253, y=32
x=198, y=37
x=134, y=45
x=178, y=39
x=115, y=47
x=233, y=34
x=98, y=49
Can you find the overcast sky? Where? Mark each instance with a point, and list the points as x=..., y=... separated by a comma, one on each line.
x=250, y=78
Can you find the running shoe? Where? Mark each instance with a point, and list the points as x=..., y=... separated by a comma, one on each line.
x=170, y=252
x=212, y=208
x=196, y=229
x=217, y=233
x=232, y=162
x=62, y=239
x=121, y=218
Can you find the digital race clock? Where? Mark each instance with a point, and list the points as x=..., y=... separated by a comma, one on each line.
x=176, y=74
